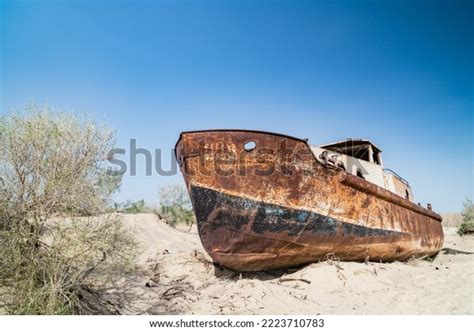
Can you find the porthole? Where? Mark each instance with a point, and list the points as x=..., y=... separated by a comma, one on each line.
x=250, y=146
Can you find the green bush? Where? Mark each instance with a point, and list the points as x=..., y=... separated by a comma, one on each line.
x=467, y=224
x=177, y=215
x=130, y=207
x=53, y=165
x=175, y=206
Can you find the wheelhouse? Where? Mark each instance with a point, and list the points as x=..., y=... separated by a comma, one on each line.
x=362, y=158
x=361, y=149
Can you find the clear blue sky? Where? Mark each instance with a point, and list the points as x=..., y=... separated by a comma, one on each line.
x=398, y=72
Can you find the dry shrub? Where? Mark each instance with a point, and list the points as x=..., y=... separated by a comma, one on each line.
x=53, y=164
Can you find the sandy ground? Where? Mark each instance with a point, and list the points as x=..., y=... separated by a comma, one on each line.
x=176, y=276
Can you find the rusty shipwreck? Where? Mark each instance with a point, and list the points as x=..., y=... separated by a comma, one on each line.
x=265, y=201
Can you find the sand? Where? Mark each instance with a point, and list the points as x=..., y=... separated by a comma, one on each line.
x=176, y=276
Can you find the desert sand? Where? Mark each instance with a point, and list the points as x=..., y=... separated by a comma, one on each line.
x=176, y=276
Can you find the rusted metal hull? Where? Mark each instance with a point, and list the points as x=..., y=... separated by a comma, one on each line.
x=276, y=206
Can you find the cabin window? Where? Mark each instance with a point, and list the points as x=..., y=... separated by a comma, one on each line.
x=250, y=145
x=359, y=153
x=376, y=158
x=359, y=174
x=357, y=148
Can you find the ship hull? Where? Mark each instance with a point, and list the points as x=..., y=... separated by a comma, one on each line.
x=265, y=209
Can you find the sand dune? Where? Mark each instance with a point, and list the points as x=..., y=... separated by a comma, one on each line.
x=175, y=276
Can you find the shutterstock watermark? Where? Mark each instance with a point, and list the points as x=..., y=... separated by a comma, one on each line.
x=221, y=161
x=153, y=161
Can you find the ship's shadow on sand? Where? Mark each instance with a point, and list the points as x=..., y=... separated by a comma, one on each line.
x=450, y=251
x=224, y=273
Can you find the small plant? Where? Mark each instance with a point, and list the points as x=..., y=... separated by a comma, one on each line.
x=131, y=207
x=467, y=224
x=175, y=206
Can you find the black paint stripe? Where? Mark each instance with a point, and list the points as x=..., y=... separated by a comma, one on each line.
x=234, y=212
